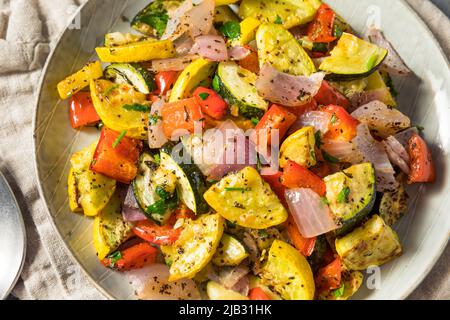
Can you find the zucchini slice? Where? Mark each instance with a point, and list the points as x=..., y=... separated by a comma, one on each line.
x=372, y=244
x=351, y=194
x=353, y=58
x=393, y=205
x=376, y=83
x=278, y=47
x=288, y=13
x=237, y=86
x=133, y=74
x=191, y=184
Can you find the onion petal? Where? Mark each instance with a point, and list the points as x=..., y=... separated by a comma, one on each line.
x=172, y=64
x=156, y=135
x=210, y=47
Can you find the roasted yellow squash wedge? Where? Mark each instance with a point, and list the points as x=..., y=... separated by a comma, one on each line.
x=288, y=272
x=93, y=190
x=80, y=79
x=111, y=101
x=224, y=2
x=137, y=51
x=200, y=70
x=372, y=244
x=248, y=31
x=109, y=228
x=230, y=252
x=72, y=190
x=245, y=199
x=216, y=291
x=278, y=47
x=351, y=280
x=299, y=147
x=288, y=13
x=196, y=246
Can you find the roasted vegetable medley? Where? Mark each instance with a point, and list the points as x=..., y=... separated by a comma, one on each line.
x=247, y=150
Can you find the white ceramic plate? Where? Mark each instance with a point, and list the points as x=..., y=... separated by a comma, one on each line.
x=424, y=231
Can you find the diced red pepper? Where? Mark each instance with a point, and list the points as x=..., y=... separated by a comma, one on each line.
x=297, y=176
x=302, y=244
x=154, y=233
x=342, y=125
x=116, y=156
x=276, y=118
x=321, y=28
x=134, y=257
x=258, y=294
x=329, y=95
x=181, y=116
x=422, y=167
x=274, y=180
x=211, y=102
x=82, y=111
x=165, y=81
x=251, y=62
x=329, y=277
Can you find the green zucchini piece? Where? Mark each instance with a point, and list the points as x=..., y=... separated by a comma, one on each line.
x=278, y=47
x=144, y=189
x=133, y=74
x=152, y=20
x=237, y=86
x=372, y=244
x=353, y=58
x=351, y=194
x=393, y=205
x=288, y=13
x=191, y=184
x=316, y=259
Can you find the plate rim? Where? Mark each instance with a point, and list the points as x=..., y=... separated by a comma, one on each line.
x=431, y=262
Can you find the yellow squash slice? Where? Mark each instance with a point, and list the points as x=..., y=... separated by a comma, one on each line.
x=245, y=199
x=109, y=100
x=137, y=51
x=80, y=79
x=299, y=147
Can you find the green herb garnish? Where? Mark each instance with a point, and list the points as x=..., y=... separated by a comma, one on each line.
x=320, y=47
x=420, y=128
x=111, y=89
x=318, y=138
x=263, y=233
x=162, y=193
x=136, y=107
x=153, y=119
x=231, y=30
x=339, y=292
x=157, y=159
x=255, y=121
x=329, y=157
x=334, y=118
x=278, y=20
x=237, y=189
x=337, y=31
x=343, y=195
x=114, y=257
x=203, y=95
x=119, y=138
x=159, y=208
x=216, y=84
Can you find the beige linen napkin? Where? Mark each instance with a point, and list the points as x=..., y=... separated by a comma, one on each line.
x=28, y=29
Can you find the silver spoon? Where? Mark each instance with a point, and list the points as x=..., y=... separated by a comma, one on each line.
x=12, y=239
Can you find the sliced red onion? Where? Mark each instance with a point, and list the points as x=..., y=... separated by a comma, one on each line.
x=393, y=63
x=221, y=150
x=382, y=120
x=404, y=136
x=200, y=18
x=317, y=119
x=397, y=153
x=242, y=286
x=374, y=152
x=253, y=251
x=238, y=52
x=286, y=89
x=130, y=208
x=312, y=216
x=362, y=98
x=183, y=45
x=152, y=283
x=178, y=24
x=156, y=135
x=230, y=276
x=173, y=64
x=210, y=47
x=342, y=150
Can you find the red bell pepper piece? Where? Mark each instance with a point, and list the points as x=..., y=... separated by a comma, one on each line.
x=329, y=277
x=297, y=176
x=276, y=118
x=422, y=167
x=321, y=28
x=82, y=111
x=134, y=257
x=181, y=115
x=327, y=95
x=342, y=125
x=251, y=62
x=274, y=180
x=165, y=81
x=258, y=294
x=302, y=244
x=211, y=103
x=153, y=233
x=116, y=156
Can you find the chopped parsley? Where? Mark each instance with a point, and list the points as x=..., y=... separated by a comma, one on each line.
x=136, y=107
x=162, y=193
x=114, y=257
x=420, y=128
x=231, y=30
x=334, y=118
x=343, y=195
x=119, y=138
x=329, y=157
x=216, y=83
x=255, y=121
x=111, y=89
x=318, y=137
x=339, y=292
x=278, y=20
x=159, y=208
x=203, y=95
x=157, y=159
x=337, y=31
x=153, y=119
x=237, y=189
